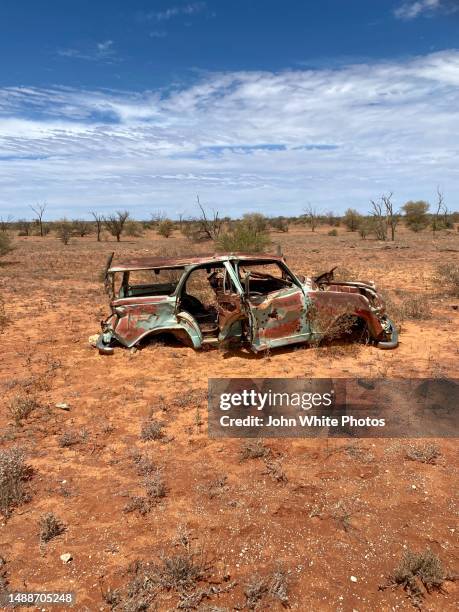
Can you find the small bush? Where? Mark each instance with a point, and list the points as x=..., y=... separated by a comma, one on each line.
x=14, y=473
x=21, y=407
x=50, y=527
x=165, y=228
x=3, y=577
x=352, y=219
x=3, y=317
x=279, y=224
x=134, y=229
x=241, y=237
x=144, y=464
x=138, y=504
x=275, y=470
x=152, y=430
x=253, y=449
x=5, y=244
x=154, y=485
x=64, y=230
x=274, y=586
x=181, y=571
x=71, y=438
x=447, y=275
x=417, y=570
x=333, y=232
x=416, y=307
x=426, y=453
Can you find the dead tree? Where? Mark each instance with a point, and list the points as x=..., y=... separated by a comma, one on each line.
x=312, y=217
x=210, y=228
x=392, y=217
x=441, y=211
x=379, y=219
x=39, y=210
x=115, y=223
x=99, y=220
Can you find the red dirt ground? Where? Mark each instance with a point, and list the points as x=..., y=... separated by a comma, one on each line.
x=348, y=508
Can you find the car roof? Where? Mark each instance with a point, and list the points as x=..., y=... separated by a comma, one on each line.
x=153, y=263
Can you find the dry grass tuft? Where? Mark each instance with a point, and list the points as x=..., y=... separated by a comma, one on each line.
x=253, y=449
x=50, y=527
x=21, y=406
x=260, y=589
x=14, y=474
x=152, y=430
x=418, y=573
x=425, y=453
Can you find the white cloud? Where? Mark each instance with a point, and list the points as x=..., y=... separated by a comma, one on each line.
x=174, y=11
x=411, y=10
x=243, y=140
x=102, y=51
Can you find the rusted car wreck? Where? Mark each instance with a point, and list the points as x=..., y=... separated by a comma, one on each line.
x=237, y=298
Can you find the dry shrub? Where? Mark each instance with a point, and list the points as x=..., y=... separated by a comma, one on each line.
x=155, y=485
x=152, y=430
x=275, y=470
x=418, y=572
x=50, y=527
x=181, y=572
x=447, y=276
x=259, y=589
x=253, y=449
x=3, y=317
x=21, y=406
x=416, y=307
x=5, y=244
x=14, y=474
x=426, y=453
x=139, y=504
x=3, y=577
x=72, y=438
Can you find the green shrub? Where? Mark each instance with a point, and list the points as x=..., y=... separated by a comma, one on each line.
x=244, y=238
x=333, y=232
x=165, y=228
x=416, y=215
x=133, y=229
x=352, y=219
x=279, y=224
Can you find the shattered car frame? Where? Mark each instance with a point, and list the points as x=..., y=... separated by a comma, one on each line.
x=254, y=299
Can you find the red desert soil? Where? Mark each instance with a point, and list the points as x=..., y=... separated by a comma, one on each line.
x=345, y=508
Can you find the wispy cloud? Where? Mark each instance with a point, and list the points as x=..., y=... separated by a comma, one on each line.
x=244, y=140
x=174, y=11
x=101, y=51
x=411, y=10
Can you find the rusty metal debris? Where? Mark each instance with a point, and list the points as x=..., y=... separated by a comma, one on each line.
x=236, y=298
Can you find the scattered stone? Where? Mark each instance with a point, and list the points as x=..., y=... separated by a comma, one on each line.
x=93, y=340
x=63, y=406
x=353, y=579
x=66, y=558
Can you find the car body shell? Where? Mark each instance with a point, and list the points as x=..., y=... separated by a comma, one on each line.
x=302, y=310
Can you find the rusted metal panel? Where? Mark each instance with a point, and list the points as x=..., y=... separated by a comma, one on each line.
x=303, y=311
x=151, y=263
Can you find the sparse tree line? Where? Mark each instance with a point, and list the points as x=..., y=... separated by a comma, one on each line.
x=250, y=233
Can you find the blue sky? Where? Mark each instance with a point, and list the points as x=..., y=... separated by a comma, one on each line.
x=255, y=105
